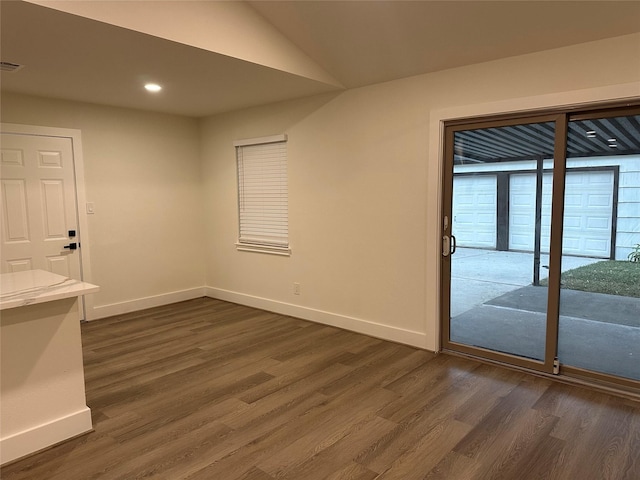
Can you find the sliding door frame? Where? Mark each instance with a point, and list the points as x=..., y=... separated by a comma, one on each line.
x=561, y=116
x=603, y=379
x=551, y=337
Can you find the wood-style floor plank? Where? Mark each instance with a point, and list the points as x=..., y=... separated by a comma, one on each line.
x=206, y=389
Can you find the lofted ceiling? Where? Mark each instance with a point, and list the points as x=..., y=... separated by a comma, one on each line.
x=212, y=57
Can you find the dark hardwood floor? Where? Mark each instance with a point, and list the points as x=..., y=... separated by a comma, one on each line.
x=211, y=390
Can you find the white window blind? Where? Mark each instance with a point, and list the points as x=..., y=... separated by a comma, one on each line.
x=263, y=195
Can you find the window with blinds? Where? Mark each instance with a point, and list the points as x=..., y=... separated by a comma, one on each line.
x=263, y=195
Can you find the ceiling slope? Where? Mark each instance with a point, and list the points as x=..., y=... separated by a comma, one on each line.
x=217, y=56
x=76, y=58
x=230, y=28
x=367, y=42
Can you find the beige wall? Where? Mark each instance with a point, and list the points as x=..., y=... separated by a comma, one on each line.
x=364, y=179
x=364, y=176
x=142, y=173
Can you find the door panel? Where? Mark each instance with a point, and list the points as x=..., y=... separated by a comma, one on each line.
x=15, y=213
x=600, y=302
x=38, y=205
x=493, y=308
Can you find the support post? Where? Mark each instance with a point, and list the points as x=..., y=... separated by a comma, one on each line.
x=538, y=225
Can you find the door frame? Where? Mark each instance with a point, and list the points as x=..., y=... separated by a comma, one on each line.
x=591, y=109
x=75, y=136
x=548, y=365
x=572, y=99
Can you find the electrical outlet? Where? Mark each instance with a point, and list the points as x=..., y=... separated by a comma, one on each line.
x=296, y=288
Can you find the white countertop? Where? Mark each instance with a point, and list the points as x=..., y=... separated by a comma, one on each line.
x=39, y=286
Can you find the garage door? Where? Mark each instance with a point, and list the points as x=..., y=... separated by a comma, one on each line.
x=587, y=216
x=474, y=210
x=522, y=211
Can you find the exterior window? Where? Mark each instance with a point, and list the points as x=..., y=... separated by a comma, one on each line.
x=263, y=195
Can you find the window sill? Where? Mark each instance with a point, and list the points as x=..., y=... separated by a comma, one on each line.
x=269, y=249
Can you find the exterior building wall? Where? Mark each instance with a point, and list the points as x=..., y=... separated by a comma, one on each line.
x=628, y=199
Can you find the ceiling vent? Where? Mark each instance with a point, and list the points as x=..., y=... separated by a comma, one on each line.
x=9, y=67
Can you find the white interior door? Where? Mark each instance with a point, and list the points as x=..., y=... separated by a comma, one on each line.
x=39, y=207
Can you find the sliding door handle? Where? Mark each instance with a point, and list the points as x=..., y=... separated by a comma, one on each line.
x=446, y=246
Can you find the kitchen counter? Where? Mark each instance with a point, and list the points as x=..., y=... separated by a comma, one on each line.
x=38, y=286
x=42, y=390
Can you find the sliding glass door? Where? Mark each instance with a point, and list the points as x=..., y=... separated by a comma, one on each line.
x=600, y=301
x=497, y=238
x=541, y=242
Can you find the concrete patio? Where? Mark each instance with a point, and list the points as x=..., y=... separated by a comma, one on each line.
x=494, y=306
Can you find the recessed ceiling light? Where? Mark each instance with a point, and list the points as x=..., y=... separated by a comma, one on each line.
x=591, y=132
x=611, y=140
x=152, y=87
x=613, y=145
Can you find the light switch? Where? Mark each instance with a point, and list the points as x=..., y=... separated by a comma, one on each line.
x=90, y=209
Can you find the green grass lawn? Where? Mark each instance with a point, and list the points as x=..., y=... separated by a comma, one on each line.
x=612, y=277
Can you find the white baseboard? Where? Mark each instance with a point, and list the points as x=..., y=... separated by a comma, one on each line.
x=378, y=330
x=38, y=438
x=103, y=311
x=385, y=332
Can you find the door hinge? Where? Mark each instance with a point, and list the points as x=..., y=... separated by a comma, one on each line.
x=556, y=366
